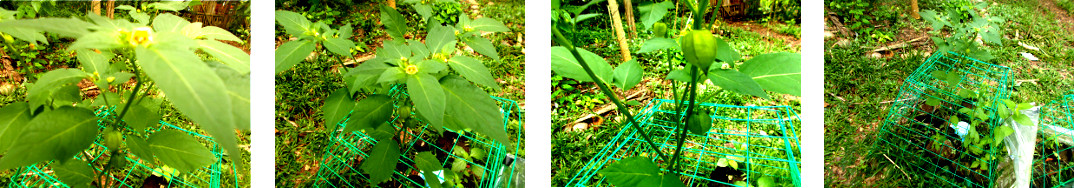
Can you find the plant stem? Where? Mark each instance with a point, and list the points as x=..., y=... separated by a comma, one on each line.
x=130, y=99
x=689, y=113
x=607, y=92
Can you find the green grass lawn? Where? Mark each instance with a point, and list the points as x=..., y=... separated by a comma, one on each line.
x=859, y=90
x=301, y=137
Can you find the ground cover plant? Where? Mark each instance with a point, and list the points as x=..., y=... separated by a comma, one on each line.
x=685, y=51
x=142, y=67
x=995, y=32
x=423, y=75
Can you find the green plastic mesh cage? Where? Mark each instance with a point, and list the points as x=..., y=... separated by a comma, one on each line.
x=41, y=175
x=343, y=157
x=918, y=135
x=763, y=141
x=1053, y=163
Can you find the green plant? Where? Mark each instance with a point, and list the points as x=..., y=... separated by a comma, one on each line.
x=160, y=56
x=777, y=72
x=979, y=134
x=965, y=26
x=439, y=96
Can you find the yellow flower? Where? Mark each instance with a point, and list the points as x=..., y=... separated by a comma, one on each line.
x=411, y=69
x=111, y=79
x=141, y=35
x=467, y=28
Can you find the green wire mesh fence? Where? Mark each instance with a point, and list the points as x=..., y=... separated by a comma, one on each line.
x=41, y=175
x=1053, y=165
x=343, y=157
x=762, y=140
x=918, y=134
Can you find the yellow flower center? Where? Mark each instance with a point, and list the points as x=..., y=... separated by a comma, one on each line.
x=468, y=28
x=411, y=69
x=140, y=36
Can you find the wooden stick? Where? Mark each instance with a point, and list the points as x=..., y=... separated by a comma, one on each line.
x=897, y=166
x=620, y=35
x=630, y=18
x=899, y=45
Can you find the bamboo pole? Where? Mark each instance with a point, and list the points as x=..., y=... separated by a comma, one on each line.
x=617, y=24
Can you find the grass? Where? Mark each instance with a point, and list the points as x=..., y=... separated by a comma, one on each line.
x=856, y=104
x=301, y=137
x=571, y=150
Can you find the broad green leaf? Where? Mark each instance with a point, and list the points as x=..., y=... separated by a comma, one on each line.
x=39, y=93
x=345, y=32
x=633, y=172
x=483, y=46
x=238, y=87
x=440, y=37
x=736, y=81
x=394, y=49
x=722, y=162
x=170, y=5
x=679, y=75
x=488, y=25
x=194, y=89
x=564, y=64
x=364, y=75
x=139, y=117
x=98, y=40
x=419, y=49
x=425, y=11
x=371, y=112
x=391, y=75
x=13, y=119
x=384, y=156
x=671, y=180
x=54, y=135
x=169, y=23
x=741, y=184
x=139, y=148
x=458, y=165
x=291, y=53
x=336, y=107
x=141, y=17
x=428, y=164
x=294, y=23
x=430, y=66
x=227, y=54
x=192, y=30
x=1000, y=133
x=216, y=33
x=1023, y=120
x=339, y=46
x=66, y=95
x=393, y=22
x=93, y=62
x=63, y=27
x=933, y=102
x=628, y=74
x=657, y=44
x=473, y=70
x=478, y=154
x=700, y=122
x=653, y=13
x=25, y=34
x=777, y=72
x=74, y=173
x=725, y=53
x=471, y=107
x=180, y=150
x=428, y=97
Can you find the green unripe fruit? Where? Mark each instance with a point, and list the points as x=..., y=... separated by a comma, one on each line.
x=699, y=48
x=699, y=123
x=660, y=29
x=403, y=112
x=113, y=139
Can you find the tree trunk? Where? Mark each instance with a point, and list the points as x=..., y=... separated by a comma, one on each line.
x=111, y=8
x=914, y=9
x=617, y=24
x=95, y=7
x=630, y=18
